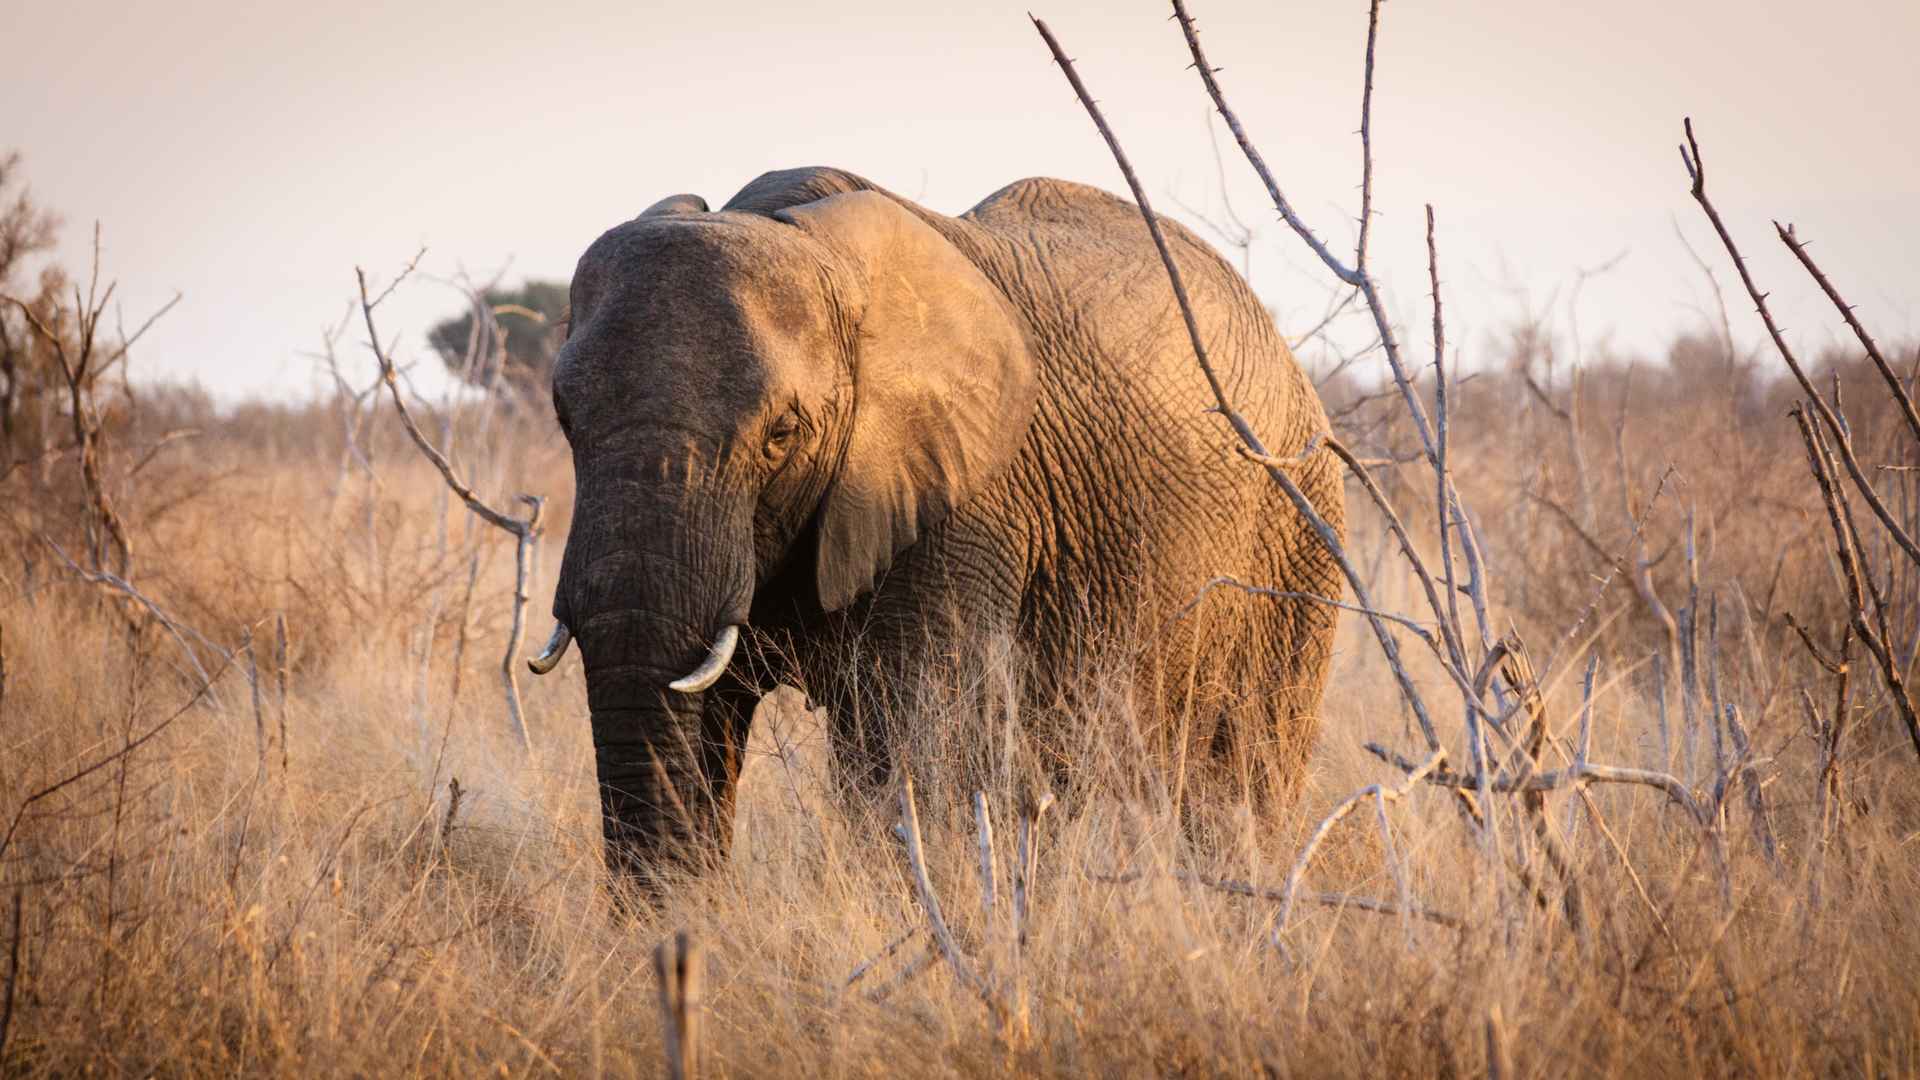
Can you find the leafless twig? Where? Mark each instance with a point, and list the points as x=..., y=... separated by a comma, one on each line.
x=1895, y=387
x=1835, y=428
x=1326, y=899
x=1871, y=632
x=125, y=751
x=1251, y=441
x=1382, y=794
x=892, y=947
x=929, y=901
x=1576, y=775
x=524, y=530
x=984, y=820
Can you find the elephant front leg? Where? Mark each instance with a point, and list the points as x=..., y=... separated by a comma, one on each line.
x=916, y=665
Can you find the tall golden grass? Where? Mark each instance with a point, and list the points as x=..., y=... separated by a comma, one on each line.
x=198, y=896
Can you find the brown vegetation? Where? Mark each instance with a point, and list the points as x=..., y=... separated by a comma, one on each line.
x=265, y=812
x=216, y=899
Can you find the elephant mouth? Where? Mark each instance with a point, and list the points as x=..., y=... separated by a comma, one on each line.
x=710, y=669
x=694, y=682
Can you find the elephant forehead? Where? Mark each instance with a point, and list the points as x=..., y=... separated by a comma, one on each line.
x=714, y=282
x=714, y=264
x=737, y=313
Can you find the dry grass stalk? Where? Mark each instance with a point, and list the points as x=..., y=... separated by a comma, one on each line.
x=454, y=794
x=1028, y=856
x=259, y=709
x=127, y=749
x=867, y=965
x=280, y=681
x=1326, y=899
x=1499, y=1051
x=12, y=984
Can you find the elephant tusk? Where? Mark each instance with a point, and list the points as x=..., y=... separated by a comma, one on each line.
x=716, y=662
x=549, y=657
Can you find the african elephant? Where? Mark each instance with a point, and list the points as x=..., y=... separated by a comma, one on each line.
x=825, y=412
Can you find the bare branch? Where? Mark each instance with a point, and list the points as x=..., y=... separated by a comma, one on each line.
x=391, y=376
x=526, y=531
x=1575, y=776
x=1366, y=150
x=174, y=627
x=1836, y=427
x=13, y=975
x=1356, y=275
x=1846, y=549
x=929, y=902
x=1378, y=792
x=1894, y=386
x=1225, y=581
x=126, y=750
x=892, y=947
x=680, y=965
x=1327, y=899
x=1279, y=475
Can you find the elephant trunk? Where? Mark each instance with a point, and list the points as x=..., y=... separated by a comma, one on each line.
x=657, y=808
x=655, y=595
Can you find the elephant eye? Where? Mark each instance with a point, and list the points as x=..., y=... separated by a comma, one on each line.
x=780, y=437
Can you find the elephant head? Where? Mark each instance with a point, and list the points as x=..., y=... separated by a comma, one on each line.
x=765, y=406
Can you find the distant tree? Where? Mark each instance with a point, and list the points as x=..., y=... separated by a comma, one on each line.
x=30, y=379
x=530, y=318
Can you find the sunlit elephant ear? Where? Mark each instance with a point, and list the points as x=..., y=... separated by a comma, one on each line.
x=676, y=204
x=943, y=385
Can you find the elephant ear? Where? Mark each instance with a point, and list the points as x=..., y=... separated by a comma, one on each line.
x=943, y=385
x=676, y=204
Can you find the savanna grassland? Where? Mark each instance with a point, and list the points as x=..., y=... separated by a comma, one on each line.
x=232, y=848
x=1616, y=772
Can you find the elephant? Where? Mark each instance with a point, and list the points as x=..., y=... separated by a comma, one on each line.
x=828, y=415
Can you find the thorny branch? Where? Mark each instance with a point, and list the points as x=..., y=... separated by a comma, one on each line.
x=1875, y=635
x=1831, y=438
x=1895, y=386
x=1836, y=429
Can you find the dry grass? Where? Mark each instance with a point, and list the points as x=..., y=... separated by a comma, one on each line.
x=192, y=907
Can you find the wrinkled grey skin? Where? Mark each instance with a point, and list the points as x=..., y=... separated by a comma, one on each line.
x=825, y=412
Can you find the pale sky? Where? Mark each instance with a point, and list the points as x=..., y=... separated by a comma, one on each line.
x=250, y=155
